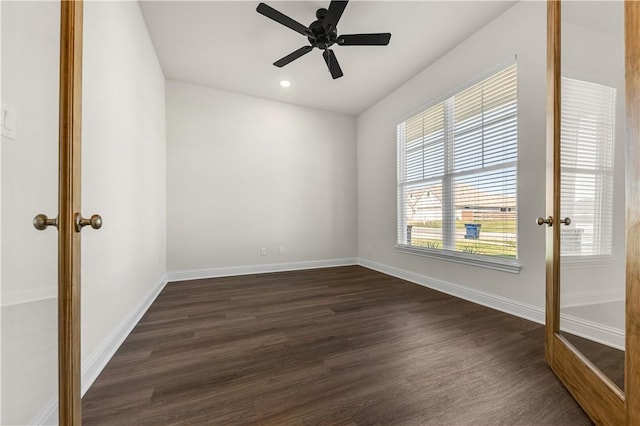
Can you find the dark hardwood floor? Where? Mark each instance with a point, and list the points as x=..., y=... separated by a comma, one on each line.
x=337, y=346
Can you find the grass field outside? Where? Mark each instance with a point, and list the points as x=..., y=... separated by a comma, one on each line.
x=496, y=238
x=485, y=247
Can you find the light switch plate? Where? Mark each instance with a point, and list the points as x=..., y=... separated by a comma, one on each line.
x=8, y=121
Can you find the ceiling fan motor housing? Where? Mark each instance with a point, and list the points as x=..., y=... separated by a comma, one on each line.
x=322, y=39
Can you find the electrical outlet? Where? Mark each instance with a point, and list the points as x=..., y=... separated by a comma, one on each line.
x=281, y=250
x=368, y=248
x=263, y=251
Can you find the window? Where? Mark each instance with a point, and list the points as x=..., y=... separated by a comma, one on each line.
x=457, y=169
x=586, y=158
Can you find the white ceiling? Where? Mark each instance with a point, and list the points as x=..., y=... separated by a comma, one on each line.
x=228, y=45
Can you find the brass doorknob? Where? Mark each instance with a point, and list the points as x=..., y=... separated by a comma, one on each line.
x=566, y=221
x=542, y=221
x=41, y=222
x=95, y=221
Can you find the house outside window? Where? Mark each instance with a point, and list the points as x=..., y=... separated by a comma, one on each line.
x=457, y=174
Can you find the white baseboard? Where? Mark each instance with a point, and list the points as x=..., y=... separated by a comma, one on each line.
x=597, y=332
x=581, y=298
x=48, y=416
x=257, y=269
x=95, y=363
x=510, y=306
x=29, y=296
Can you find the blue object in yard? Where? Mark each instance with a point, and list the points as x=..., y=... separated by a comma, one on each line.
x=473, y=230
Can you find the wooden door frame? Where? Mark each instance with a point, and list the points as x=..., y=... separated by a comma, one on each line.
x=70, y=120
x=603, y=401
x=632, y=221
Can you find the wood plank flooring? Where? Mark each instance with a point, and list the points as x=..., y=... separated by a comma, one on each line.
x=336, y=346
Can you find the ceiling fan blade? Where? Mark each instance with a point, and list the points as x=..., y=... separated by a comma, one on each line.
x=376, y=39
x=333, y=14
x=293, y=56
x=332, y=63
x=283, y=19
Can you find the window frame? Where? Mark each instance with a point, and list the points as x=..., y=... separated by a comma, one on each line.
x=573, y=261
x=499, y=263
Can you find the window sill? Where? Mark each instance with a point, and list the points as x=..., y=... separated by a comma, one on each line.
x=498, y=264
x=581, y=262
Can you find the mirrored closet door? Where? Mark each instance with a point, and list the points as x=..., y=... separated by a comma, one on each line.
x=30, y=34
x=592, y=143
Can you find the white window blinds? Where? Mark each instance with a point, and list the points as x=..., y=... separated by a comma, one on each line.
x=587, y=140
x=457, y=188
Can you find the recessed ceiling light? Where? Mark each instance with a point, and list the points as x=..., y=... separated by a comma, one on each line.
x=285, y=83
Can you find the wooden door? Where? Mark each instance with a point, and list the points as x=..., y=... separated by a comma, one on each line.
x=68, y=207
x=632, y=222
x=605, y=402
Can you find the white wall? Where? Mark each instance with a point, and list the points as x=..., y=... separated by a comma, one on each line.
x=124, y=179
x=124, y=170
x=246, y=173
x=520, y=31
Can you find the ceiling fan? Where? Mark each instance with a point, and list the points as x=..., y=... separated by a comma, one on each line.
x=323, y=33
